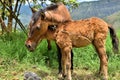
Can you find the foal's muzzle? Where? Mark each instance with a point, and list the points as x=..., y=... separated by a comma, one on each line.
x=30, y=46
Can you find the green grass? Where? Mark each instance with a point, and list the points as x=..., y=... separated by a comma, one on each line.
x=15, y=59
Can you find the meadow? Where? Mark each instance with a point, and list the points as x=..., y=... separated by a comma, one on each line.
x=15, y=59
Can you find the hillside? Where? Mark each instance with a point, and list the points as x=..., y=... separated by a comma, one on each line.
x=114, y=19
x=100, y=9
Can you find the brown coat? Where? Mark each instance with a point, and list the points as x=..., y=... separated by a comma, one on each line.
x=70, y=34
x=83, y=32
x=58, y=13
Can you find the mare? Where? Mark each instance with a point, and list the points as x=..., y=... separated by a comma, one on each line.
x=73, y=33
x=56, y=13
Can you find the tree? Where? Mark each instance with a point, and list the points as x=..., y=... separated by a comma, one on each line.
x=70, y=3
x=10, y=9
x=3, y=26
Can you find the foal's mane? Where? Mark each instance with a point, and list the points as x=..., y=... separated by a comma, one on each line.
x=52, y=7
x=57, y=12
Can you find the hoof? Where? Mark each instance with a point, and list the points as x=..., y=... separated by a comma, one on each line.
x=60, y=77
x=104, y=78
x=101, y=76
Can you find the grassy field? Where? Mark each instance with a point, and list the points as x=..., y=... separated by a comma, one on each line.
x=15, y=59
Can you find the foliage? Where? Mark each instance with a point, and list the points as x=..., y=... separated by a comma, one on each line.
x=70, y=3
x=11, y=10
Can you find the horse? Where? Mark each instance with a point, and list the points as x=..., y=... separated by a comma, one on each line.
x=53, y=12
x=74, y=33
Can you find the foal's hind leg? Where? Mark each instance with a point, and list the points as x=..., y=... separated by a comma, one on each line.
x=100, y=48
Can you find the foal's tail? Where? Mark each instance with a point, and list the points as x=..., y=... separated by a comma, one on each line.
x=115, y=41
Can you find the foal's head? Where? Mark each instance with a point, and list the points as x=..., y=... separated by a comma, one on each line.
x=37, y=29
x=40, y=21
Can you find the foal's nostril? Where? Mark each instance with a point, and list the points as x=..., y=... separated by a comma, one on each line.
x=28, y=45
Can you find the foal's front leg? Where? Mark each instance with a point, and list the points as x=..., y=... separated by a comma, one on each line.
x=59, y=60
x=66, y=62
x=64, y=42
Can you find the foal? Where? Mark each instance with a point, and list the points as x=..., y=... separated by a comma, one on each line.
x=82, y=33
x=69, y=34
x=74, y=34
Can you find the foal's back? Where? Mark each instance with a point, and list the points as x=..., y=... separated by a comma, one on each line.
x=83, y=32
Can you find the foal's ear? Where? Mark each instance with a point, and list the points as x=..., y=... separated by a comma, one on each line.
x=34, y=10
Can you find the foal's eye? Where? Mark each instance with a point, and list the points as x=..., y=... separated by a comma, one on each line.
x=38, y=27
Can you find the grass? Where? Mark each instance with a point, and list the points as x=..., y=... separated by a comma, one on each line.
x=15, y=59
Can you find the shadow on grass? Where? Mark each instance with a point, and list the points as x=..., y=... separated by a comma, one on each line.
x=76, y=75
